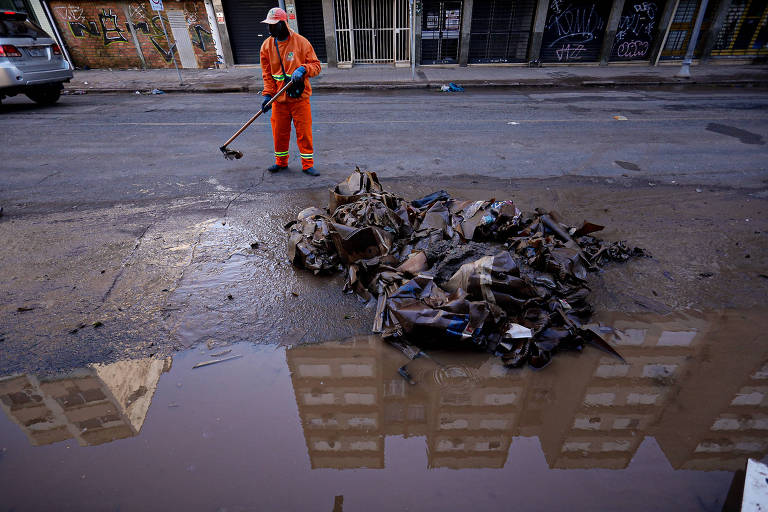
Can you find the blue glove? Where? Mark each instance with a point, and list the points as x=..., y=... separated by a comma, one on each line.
x=264, y=105
x=298, y=75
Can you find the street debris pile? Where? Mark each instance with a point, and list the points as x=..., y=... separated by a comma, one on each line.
x=446, y=273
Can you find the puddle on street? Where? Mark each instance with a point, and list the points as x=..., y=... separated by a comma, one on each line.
x=333, y=426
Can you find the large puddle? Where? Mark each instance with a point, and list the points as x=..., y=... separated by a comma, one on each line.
x=333, y=426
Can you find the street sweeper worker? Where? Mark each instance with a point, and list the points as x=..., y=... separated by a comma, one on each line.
x=289, y=56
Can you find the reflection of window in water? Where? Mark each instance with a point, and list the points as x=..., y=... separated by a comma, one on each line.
x=416, y=413
x=433, y=21
x=395, y=388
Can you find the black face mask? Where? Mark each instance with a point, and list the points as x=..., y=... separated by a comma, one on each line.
x=278, y=30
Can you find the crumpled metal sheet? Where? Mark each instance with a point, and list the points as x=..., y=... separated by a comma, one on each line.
x=524, y=300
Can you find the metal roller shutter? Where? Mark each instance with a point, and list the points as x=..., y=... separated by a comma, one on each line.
x=500, y=30
x=309, y=14
x=246, y=31
x=638, y=24
x=574, y=30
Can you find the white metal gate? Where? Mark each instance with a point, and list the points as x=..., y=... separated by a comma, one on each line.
x=373, y=31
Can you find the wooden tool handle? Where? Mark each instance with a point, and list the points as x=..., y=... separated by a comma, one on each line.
x=251, y=120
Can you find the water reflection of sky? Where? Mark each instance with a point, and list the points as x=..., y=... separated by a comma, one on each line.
x=693, y=396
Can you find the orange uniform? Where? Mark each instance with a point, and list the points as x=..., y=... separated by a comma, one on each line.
x=295, y=51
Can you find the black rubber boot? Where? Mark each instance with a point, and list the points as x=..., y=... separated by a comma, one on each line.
x=276, y=168
x=311, y=171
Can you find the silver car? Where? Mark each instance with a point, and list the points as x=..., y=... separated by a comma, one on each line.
x=30, y=60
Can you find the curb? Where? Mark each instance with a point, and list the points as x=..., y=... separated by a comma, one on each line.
x=472, y=84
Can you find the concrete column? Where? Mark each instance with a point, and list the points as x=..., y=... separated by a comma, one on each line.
x=714, y=28
x=289, y=6
x=661, y=29
x=221, y=23
x=466, y=27
x=417, y=30
x=534, y=47
x=329, y=24
x=610, y=31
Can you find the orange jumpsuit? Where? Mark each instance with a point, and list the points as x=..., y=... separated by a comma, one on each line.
x=295, y=51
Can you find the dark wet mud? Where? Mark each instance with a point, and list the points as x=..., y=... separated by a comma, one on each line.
x=148, y=279
x=318, y=426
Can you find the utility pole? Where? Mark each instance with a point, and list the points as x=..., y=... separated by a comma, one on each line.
x=685, y=69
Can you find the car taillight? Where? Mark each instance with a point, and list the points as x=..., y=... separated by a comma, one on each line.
x=56, y=49
x=8, y=50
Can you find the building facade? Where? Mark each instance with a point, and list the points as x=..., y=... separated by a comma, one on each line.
x=207, y=33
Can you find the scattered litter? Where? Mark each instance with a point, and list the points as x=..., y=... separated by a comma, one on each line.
x=137, y=92
x=215, y=361
x=222, y=353
x=295, y=294
x=254, y=245
x=85, y=83
x=97, y=324
x=698, y=190
x=230, y=297
x=452, y=87
x=157, y=91
x=448, y=273
x=620, y=118
x=23, y=309
x=172, y=405
x=706, y=274
x=514, y=123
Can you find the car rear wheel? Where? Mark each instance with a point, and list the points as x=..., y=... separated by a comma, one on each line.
x=44, y=94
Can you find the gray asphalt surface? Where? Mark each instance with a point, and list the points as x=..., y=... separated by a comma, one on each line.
x=106, y=148
x=125, y=232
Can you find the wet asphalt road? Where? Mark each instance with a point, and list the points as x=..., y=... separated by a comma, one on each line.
x=114, y=148
x=125, y=233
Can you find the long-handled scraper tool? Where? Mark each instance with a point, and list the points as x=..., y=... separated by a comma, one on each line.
x=232, y=154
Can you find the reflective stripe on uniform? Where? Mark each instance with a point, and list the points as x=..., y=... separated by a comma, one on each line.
x=281, y=153
x=306, y=155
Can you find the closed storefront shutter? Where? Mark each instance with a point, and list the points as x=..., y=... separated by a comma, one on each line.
x=636, y=30
x=246, y=31
x=745, y=30
x=309, y=14
x=574, y=30
x=500, y=30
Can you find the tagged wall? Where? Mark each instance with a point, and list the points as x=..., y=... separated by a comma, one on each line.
x=98, y=33
x=574, y=30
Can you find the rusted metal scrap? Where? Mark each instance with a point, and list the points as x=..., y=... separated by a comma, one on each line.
x=517, y=282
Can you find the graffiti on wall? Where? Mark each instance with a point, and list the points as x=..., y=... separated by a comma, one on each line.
x=110, y=26
x=573, y=30
x=636, y=28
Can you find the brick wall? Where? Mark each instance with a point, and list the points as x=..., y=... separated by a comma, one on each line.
x=97, y=33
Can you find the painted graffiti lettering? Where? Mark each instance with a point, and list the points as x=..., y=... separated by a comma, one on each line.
x=200, y=36
x=95, y=34
x=575, y=24
x=80, y=29
x=158, y=38
x=569, y=52
x=110, y=30
x=636, y=30
x=632, y=49
x=70, y=13
x=141, y=26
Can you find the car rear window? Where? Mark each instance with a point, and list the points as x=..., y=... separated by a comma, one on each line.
x=17, y=28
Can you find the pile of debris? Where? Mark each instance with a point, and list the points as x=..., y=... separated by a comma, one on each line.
x=448, y=273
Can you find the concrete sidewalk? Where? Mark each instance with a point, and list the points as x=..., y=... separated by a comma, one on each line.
x=248, y=79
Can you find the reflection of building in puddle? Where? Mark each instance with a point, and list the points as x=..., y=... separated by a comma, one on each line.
x=692, y=382
x=93, y=405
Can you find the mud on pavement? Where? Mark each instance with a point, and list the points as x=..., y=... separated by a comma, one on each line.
x=101, y=283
